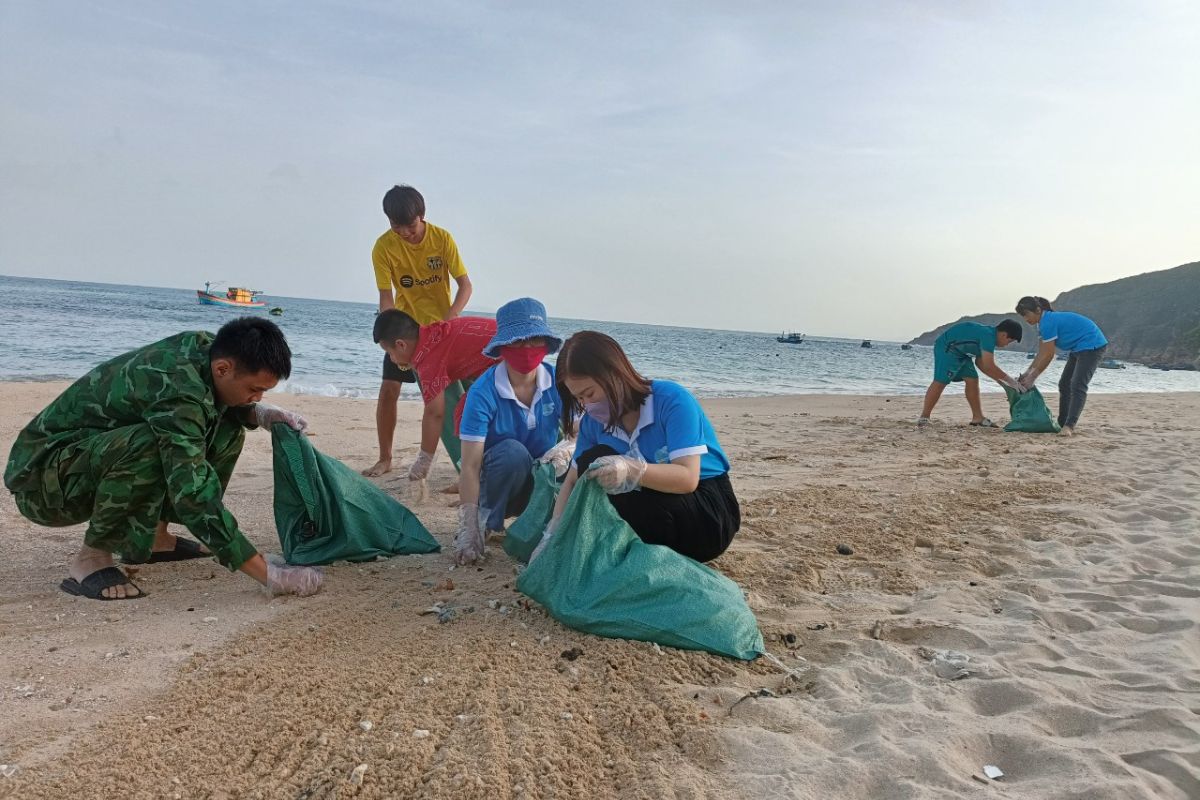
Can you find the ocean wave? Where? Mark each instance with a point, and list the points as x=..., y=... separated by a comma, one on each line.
x=327, y=390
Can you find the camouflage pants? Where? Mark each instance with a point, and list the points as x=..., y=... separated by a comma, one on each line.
x=114, y=481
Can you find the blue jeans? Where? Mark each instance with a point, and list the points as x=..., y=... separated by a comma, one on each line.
x=1073, y=385
x=505, y=483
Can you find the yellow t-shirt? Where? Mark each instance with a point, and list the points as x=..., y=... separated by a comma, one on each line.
x=420, y=274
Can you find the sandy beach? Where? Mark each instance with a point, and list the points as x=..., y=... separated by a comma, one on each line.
x=1066, y=569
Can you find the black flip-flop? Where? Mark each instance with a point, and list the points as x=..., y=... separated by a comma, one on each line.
x=184, y=550
x=92, y=586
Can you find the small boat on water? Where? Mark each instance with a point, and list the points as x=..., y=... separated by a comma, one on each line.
x=1111, y=363
x=906, y=347
x=1031, y=356
x=865, y=343
x=234, y=296
x=276, y=312
x=790, y=338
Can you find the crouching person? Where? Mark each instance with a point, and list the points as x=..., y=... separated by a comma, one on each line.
x=151, y=437
x=649, y=444
x=509, y=421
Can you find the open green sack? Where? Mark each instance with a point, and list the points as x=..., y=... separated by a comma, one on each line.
x=326, y=512
x=596, y=575
x=1029, y=412
x=524, y=534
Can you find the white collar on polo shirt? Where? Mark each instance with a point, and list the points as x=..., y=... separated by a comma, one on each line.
x=645, y=417
x=505, y=390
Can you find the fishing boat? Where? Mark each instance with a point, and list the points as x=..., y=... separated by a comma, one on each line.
x=234, y=296
x=276, y=312
x=865, y=343
x=790, y=338
x=1111, y=363
x=906, y=347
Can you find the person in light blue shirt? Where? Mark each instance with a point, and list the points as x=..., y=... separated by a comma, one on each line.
x=650, y=445
x=509, y=420
x=1074, y=334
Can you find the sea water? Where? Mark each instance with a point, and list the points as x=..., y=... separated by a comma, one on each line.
x=54, y=330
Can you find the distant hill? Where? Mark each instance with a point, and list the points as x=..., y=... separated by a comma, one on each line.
x=1153, y=318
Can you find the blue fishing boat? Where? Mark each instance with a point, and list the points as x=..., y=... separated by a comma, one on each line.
x=234, y=296
x=790, y=338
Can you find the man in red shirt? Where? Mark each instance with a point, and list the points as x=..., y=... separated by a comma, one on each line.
x=440, y=353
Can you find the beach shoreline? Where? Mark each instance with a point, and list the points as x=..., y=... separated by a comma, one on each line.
x=1064, y=568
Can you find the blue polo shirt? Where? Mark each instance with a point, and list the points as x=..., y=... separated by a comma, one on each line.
x=671, y=425
x=1070, y=331
x=493, y=413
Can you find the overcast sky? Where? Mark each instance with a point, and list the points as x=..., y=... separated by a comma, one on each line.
x=853, y=169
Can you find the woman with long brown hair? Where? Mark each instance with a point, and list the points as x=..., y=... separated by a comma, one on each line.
x=651, y=447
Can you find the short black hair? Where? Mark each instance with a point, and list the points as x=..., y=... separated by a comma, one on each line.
x=1011, y=327
x=403, y=204
x=254, y=344
x=394, y=324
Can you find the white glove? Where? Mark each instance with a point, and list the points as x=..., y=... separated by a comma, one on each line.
x=1016, y=386
x=285, y=579
x=617, y=474
x=267, y=415
x=560, y=456
x=545, y=540
x=468, y=544
x=419, y=470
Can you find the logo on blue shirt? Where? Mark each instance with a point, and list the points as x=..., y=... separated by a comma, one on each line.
x=662, y=455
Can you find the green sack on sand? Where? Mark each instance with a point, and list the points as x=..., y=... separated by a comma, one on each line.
x=326, y=512
x=1029, y=412
x=524, y=534
x=596, y=575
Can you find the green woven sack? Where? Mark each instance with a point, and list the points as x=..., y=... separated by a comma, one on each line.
x=596, y=575
x=525, y=533
x=326, y=512
x=1029, y=412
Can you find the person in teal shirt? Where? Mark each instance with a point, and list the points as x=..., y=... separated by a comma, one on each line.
x=957, y=352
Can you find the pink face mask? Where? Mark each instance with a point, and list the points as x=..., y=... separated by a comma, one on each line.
x=601, y=412
x=523, y=359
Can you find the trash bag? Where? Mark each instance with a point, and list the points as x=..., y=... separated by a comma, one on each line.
x=524, y=534
x=596, y=575
x=1029, y=412
x=326, y=512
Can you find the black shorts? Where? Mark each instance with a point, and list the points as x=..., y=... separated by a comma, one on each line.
x=699, y=525
x=393, y=373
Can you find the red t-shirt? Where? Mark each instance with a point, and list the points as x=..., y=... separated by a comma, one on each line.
x=451, y=351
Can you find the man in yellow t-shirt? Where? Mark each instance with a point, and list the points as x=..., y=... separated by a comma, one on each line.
x=414, y=264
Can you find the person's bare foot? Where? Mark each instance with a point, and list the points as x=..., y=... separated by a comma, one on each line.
x=1066, y=430
x=165, y=542
x=89, y=560
x=382, y=467
x=451, y=489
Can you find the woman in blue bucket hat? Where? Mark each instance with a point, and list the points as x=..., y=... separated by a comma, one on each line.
x=510, y=419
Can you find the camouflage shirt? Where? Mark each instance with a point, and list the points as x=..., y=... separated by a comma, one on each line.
x=168, y=386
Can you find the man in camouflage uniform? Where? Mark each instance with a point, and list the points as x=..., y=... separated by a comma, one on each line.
x=152, y=436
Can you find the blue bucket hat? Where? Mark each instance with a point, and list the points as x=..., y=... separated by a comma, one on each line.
x=523, y=318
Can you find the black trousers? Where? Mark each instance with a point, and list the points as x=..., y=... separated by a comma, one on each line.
x=699, y=525
x=1073, y=385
